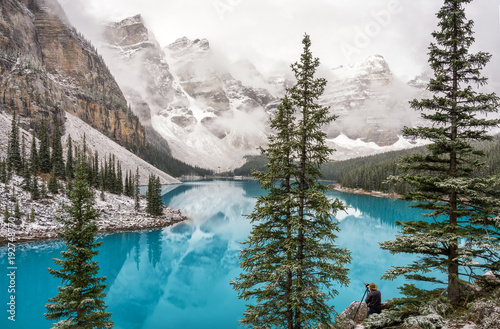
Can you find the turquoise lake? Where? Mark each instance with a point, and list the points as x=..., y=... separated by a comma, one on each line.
x=178, y=277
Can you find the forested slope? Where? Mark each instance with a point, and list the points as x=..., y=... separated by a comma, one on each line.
x=371, y=173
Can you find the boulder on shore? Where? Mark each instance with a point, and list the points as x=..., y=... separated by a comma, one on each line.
x=354, y=313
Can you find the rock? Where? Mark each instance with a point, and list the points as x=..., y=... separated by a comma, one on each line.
x=50, y=66
x=355, y=312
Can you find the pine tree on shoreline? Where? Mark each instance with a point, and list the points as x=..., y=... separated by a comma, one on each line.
x=462, y=231
x=290, y=260
x=80, y=302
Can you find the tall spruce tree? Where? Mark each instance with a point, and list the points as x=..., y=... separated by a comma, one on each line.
x=14, y=161
x=56, y=159
x=153, y=196
x=290, y=260
x=137, y=204
x=69, y=159
x=26, y=184
x=80, y=302
x=34, y=160
x=44, y=151
x=52, y=185
x=462, y=231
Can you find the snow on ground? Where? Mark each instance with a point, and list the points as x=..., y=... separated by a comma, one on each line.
x=96, y=141
x=117, y=213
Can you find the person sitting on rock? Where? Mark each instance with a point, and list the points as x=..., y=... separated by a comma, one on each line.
x=373, y=300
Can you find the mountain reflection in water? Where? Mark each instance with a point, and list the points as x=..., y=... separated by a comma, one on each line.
x=178, y=277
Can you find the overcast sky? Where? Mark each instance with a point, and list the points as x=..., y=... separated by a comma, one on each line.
x=270, y=31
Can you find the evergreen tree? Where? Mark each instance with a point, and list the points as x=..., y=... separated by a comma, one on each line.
x=69, y=159
x=17, y=211
x=290, y=260
x=34, y=190
x=26, y=177
x=53, y=187
x=463, y=232
x=126, y=188
x=137, y=205
x=6, y=214
x=32, y=215
x=80, y=302
x=43, y=190
x=14, y=161
x=34, y=160
x=44, y=151
x=56, y=159
x=3, y=172
x=153, y=196
x=23, y=151
x=119, y=179
x=95, y=177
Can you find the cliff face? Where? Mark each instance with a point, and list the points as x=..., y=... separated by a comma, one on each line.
x=46, y=66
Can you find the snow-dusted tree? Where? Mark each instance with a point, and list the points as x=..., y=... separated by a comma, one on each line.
x=26, y=184
x=69, y=159
x=3, y=172
x=153, y=196
x=290, y=261
x=6, y=214
x=34, y=160
x=56, y=159
x=17, y=211
x=44, y=151
x=53, y=186
x=34, y=190
x=14, y=161
x=462, y=236
x=137, y=205
x=80, y=301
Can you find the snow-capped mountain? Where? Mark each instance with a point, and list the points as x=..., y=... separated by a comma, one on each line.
x=370, y=102
x=209, y=118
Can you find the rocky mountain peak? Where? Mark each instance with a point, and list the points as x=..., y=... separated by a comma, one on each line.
x=128, y=32
x=184, y=46
x=373, y=68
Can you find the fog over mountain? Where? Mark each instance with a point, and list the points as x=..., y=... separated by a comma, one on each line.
x=268, y=32
x=207, y=75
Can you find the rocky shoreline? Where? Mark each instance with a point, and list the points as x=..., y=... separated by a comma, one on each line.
x=117, y=213
x=340, y=188
x=23, y=233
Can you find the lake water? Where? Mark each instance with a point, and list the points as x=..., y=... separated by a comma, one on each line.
x=178, y=277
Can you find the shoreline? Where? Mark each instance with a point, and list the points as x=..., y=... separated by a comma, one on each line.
x=340, y=188
x=139, y=223
x=37, y=219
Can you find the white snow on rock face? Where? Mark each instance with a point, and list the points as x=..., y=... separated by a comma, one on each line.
x=96, y=141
